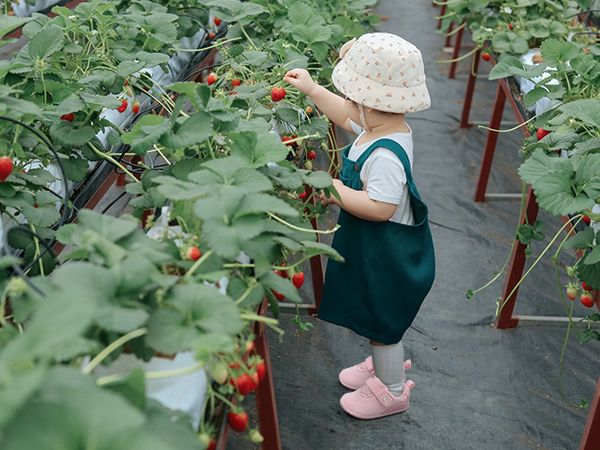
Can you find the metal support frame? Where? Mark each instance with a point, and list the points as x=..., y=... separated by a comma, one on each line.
x=591, y=434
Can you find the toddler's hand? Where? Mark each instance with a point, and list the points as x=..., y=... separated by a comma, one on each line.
x=301, y=80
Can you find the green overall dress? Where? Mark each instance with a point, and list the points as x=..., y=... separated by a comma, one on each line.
x=389, y=267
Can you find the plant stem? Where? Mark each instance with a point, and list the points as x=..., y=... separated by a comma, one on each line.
x=560, y=366
x=197, y=263
x=113, y=161
x=306, y=230
x=111, y=348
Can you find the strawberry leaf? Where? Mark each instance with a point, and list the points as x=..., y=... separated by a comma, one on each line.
x=587, y=110
x=582, y=240
x=555, y=194
x=68, y=135
x=540, y=164
x=588, y=175
x=245, y=145
x=45, y=42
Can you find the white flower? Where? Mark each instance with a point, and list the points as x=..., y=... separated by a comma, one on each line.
x=489, y=30
x=571, y=121
x=73, y=17
x=507, y=10
x=94, y=32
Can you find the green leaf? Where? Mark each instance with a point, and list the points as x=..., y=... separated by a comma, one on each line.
x=270, y=149
x=511, y=65
x=262, y=203
x=103, y=100
x=236, y=10
x=272, y=281
x=594, y=256
x=10, y=23
x=555, y=194
x=582, y=240
x=556, y=53
x=540, y=163
x=195, y=130
x=70, y=105
x=76, y=168
x=300, y=14
x=112, y=228
x=317, y=179
x=319, y=248
x=588, y=175
x=66, y=134
x=288, y=115
x=587, y=110
x=198, y=94
x=46, y=42
x=132, y=387
x=588, y=335
x=112, y=317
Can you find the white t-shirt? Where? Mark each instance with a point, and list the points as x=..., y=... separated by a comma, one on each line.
x=383, y=175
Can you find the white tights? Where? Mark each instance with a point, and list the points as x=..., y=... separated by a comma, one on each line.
x=388, y=361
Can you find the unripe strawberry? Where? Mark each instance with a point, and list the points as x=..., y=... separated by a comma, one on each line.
x=219, y=372
x=309, y=110
x=135, y=106
x=572, y=291
x=308, y=164
x=255, y=436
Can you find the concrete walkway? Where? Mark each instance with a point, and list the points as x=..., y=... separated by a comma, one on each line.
x=476, y=387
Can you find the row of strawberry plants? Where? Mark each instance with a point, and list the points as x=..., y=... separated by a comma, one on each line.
x=552, y=55
x=233, y=213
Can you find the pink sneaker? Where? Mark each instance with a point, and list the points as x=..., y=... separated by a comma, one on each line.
x=374, y=400
x=356, y=376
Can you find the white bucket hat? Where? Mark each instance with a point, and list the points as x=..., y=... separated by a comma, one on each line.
x=384, y=72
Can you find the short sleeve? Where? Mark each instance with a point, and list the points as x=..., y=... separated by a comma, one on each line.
x=356, y=127
x=383, y=176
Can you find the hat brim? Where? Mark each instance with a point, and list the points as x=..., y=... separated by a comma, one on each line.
x=378, y=95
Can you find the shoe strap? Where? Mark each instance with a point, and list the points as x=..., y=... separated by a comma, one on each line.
x=381, y=392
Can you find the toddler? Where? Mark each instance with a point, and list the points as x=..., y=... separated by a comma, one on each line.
x=384, y=233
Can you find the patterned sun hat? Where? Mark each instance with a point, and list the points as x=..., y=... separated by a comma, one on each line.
x=384, y=72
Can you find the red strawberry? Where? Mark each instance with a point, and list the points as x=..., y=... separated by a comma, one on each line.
x=286, y=139
x=277, y=94
x=126, y=83
x=278, y=296
x=211, y=79
x=193, y=253
x=298, y=279
x=572, y=291
x=586, y=220
x=283, y=272
x=237, y=421
x=123, y=106
x=211, y=35
x=68, y=117
x=309, y=110
x=6, y=167
x=587, y=299
x=302, y=196
x=217, y=21
x=311, y=155
x=261, y=369
x=236, y=82
x=243, y=384
x=135, y=106
x=585, y=286
x=541, y=133
x=510, y=26
x=485, y=56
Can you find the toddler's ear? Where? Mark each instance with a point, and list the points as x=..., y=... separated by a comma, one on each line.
x=346, y=47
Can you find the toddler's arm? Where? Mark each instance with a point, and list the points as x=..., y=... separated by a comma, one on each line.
x=359, y=204
x=330, y=104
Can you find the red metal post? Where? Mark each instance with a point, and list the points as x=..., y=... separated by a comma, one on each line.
x=265, y=393
x=490, y=144
x=464, y=118
x=456, y=52
x=515, y=269
x=591, y=433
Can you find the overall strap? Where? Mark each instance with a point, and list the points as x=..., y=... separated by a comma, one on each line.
x=397, y=149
